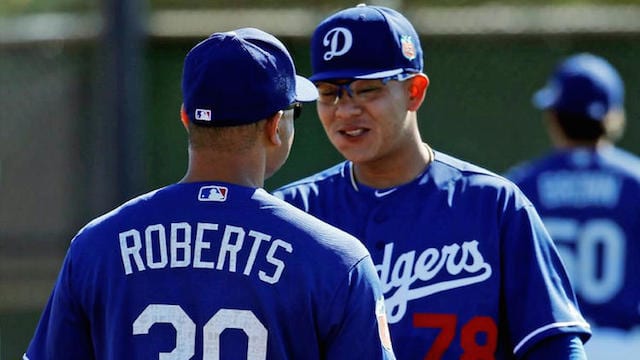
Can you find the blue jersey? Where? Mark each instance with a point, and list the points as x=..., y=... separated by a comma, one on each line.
x=213, y=271
x=466, y=265
x=590, y=202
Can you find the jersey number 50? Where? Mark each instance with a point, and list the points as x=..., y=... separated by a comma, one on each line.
x=594, y=255
x=185, y=328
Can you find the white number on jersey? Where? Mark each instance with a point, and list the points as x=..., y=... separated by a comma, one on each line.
x=594, y=285
x=185, y=328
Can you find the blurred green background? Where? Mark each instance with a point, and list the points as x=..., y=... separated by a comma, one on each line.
x=90, y=104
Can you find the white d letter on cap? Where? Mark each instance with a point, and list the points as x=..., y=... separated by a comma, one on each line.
x=332, y=38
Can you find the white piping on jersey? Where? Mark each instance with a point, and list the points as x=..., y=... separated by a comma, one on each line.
x=354, y=183
x=545, y=328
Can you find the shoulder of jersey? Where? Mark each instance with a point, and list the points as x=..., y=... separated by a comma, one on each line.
x=625, y=161
x=324, y=175
x=466, y=169
x=325, y=233
x=530, y=168
x=121, y=210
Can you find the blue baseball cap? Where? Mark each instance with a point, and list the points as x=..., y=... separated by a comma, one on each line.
x=240, y=77
x=365, y=42
x=583, y=85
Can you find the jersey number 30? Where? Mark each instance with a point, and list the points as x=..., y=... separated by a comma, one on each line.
x=185, y=328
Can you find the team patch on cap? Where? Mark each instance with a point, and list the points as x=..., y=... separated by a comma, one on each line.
x=203, y=114
x=383, y=326
x=408, y=48
x=213, y=193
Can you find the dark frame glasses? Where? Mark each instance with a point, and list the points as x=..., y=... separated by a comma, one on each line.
x=297, y=109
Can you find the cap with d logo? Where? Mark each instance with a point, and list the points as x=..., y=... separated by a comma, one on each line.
x=365, y=42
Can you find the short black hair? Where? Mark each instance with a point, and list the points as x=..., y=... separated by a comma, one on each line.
x=580, y=127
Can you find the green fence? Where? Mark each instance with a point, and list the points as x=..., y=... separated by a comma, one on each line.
x=477, y=108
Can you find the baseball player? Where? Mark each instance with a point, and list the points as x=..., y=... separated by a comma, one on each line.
x=214, y=267
x=588, y=194
x=467, y=268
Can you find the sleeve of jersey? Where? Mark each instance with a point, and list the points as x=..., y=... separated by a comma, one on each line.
x=539, y=299
x=358, y=326
x=63, y=331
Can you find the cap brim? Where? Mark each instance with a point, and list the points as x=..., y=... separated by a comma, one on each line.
x=305, y=90
x=544, y=98
x=355, y=74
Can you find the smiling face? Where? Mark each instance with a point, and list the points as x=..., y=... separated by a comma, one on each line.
x=370, y=121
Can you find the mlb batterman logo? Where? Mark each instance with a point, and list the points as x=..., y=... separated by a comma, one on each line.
x=203, y=114
x=213, y=193
x=408, y=49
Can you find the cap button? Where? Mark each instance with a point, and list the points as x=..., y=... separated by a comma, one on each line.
x=361, y=5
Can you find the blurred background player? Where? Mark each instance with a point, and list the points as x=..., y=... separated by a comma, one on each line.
x=588, y=194
x=214, y=267
x=468, y=270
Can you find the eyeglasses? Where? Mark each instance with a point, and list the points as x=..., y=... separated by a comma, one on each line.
x=359, y=90
x=297, y=109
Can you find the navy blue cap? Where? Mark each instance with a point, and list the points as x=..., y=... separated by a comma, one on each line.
x=240, y=77
x=583, y=85
x=365, y=42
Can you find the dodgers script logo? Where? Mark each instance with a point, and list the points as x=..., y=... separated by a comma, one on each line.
x=339, y=41
x=213, y=193
x=458, y=266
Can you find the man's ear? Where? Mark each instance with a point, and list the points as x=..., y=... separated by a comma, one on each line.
x=417, y=90
x=184, y=118
x=272, y=128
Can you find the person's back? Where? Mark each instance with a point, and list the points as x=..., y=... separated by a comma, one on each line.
x=587, y=192
x=213, y=270
x=214, y=267
x=589, y=200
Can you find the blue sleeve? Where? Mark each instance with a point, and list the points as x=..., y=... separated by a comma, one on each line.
x=560, y=347
x=63, y=329
x=360, y=330
x=550, y=308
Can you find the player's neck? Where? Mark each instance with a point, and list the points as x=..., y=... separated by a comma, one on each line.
x=395, y=169
x=566, y=143
x=238, y=169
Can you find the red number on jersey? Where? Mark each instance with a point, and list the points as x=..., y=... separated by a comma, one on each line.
x=478, y=337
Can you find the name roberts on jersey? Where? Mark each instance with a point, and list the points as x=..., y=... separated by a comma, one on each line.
x=215, y=247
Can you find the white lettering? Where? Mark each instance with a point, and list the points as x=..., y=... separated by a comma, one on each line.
x=465, y=262
x=159, y=251
x=162, y=246
x=578, y=189
x=127, y=251
x=271, y=259
x=184, y=246
x=230, y=249
x=202, y=244
x=258, y=239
